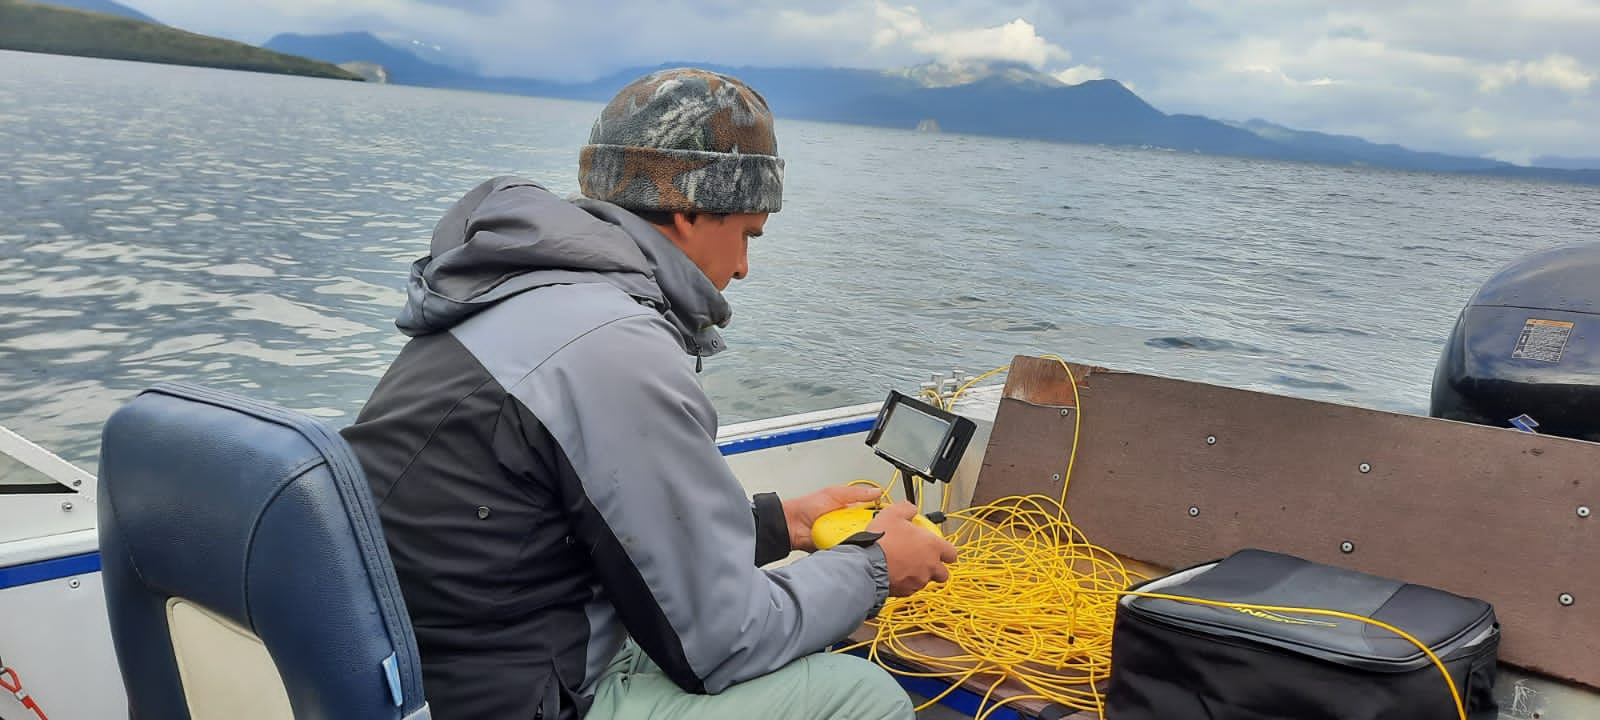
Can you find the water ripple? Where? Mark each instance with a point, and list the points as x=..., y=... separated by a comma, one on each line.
x=162, y=224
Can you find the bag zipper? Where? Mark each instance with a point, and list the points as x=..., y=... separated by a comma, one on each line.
x=1239, y=638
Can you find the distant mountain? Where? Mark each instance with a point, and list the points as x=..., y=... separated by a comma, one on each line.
x=104, y=6
x=1568, y=163
x=35, y=27
x=432, y=52
x=966, y=72
x=1099, y=111
x=1588, y=177
x=402, y=67
x=802, y=93
x=980, y=98
x=1346, y=148
x=1004, y=101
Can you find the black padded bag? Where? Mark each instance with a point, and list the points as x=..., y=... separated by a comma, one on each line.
x=1176, y=660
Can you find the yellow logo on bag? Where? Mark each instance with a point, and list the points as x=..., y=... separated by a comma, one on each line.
x=1283, y=619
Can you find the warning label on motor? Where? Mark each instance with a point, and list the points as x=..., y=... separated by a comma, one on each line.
x=1543, y=340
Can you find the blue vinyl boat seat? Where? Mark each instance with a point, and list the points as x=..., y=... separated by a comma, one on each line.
x=245, y=570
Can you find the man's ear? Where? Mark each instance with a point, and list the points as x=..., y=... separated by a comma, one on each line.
x=683, y=223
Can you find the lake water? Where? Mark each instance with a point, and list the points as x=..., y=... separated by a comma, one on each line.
x=253, y=232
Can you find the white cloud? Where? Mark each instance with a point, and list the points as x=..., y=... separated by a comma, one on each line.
x=256, y=22
x=1561, y=72
x=1555, y=71
x=1479, y=125
x=1279, y=75
x=1385, y=71
x=898, y=23
x=1015, y=41
x=1079, y=74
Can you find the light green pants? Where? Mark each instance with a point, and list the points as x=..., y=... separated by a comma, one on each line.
x=824, y=686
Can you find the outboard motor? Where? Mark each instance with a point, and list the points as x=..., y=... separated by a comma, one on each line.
x=1525, y=351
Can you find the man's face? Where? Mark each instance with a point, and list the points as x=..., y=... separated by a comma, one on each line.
x=718, y=244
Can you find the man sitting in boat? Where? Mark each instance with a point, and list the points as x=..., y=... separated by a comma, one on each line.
x=569, y=539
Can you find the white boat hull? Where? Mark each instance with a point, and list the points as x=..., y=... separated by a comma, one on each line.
x=53, y=628
x=55, y=636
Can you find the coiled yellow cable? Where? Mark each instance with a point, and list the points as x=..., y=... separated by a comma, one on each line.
x=1033, y=601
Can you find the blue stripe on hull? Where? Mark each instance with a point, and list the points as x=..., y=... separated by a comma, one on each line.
x=52, y=569
x=797, y=435
x=58, y=568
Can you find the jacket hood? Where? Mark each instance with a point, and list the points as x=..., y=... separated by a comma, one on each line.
x=510, y=235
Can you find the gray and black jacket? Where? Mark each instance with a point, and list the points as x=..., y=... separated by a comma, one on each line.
x=545, y=465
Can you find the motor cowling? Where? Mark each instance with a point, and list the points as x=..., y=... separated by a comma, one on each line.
x=1525, y=351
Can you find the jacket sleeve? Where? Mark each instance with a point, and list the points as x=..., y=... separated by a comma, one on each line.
x=772, y=528
x=670, y=529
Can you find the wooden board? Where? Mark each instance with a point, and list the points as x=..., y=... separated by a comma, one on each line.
x=1026, y=453
x=1176, y=473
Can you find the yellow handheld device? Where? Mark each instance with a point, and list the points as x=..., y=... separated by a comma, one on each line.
x=832, y=528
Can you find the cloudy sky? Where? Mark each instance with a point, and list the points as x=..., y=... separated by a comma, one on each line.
x=1511, y=79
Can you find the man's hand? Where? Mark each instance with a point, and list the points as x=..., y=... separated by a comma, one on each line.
x=916, y=556
x=802, y=512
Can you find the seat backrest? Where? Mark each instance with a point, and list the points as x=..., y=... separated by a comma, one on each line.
x=245, y=569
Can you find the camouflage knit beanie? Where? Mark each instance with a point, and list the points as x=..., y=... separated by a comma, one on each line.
x=684, y=140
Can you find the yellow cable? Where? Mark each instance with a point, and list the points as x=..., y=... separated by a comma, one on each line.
x=1027, y=602
x=974, y=381
x=1032, y=601
x=883, y=497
